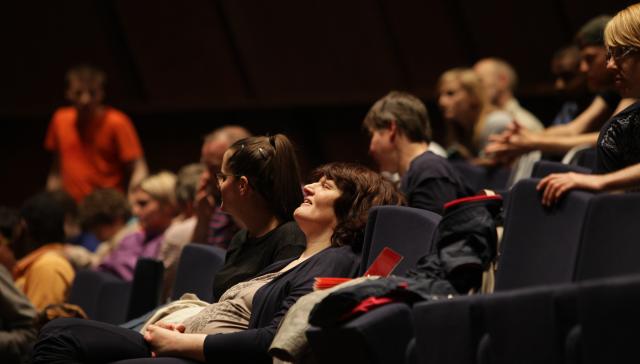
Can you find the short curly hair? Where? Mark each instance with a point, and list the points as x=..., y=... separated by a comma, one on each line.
x=361, y=189
x=103, y=206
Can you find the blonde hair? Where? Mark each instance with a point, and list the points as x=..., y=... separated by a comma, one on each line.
x=624, y=28
x=161, y=186
x=471, y=83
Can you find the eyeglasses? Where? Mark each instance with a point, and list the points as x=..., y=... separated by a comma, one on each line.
x=221, y=177
x=617, y=53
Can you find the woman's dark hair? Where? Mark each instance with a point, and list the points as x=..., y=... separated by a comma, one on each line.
x=361, y=189
x=271, y=166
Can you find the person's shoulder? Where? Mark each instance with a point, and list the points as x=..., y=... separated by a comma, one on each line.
x=52, y=261
x=116, y=117
x=430, y=165
x=339, y=256
x=63, y=115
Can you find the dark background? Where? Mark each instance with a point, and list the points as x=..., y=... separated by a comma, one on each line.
x=310, y=69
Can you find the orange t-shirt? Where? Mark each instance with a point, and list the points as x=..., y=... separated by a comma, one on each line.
x=99, y=160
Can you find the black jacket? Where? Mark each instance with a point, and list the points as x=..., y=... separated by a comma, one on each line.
x=271, y=303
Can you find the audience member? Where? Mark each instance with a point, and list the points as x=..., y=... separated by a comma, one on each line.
x=42, y=272
x=499, y=80
x=469, y=115
x=154, y=204
x=618, y=150
x=332, y=217
x=17, y=315
x=214, y=227
x=260, y=186
x=181, y=230
x=570, y=84
x=95, y=145
x=103, y=217
x=400, y=136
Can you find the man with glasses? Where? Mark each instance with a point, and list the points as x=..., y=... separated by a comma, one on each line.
x=215, y=227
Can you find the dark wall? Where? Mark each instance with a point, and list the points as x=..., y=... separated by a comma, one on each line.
x=307, y=68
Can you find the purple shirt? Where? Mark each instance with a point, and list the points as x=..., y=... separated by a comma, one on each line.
x=122, y=261
x=222, y=228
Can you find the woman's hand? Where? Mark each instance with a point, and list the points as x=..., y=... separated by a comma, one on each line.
x=163, y=339
x=557, y=184
x=168, y=339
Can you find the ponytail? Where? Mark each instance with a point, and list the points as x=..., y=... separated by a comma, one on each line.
x=271, y=166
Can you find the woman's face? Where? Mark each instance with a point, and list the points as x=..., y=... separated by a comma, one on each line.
x=151, y=215
x=227, y=183
x=624, y=63
x=317, y=206
x=454, y=101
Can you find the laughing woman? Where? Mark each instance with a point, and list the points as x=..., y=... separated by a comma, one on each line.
x=240, y=327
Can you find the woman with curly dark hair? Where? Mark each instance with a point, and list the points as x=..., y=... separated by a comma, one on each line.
x=241, y=326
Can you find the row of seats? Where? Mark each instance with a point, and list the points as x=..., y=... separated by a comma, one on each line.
x=107, y=298
x=538, y=309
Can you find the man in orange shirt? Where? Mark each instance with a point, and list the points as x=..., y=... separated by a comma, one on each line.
x=95, y=145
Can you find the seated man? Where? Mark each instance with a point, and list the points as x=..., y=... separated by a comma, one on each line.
x=213, y=226
x=400, y=135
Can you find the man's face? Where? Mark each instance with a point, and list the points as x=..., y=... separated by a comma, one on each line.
x=593, y=64
x=569, y=80
x=211, y=156
x=85, y=96
x=382, y=150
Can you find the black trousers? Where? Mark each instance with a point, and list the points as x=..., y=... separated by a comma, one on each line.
x=71, y=340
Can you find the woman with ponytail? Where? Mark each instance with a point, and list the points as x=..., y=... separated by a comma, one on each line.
x=260, y=187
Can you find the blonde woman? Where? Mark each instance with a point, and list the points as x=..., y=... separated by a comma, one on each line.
x=469, y=115
x=154, y=204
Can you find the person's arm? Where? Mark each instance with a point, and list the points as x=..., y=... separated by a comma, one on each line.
x=590, y=119
x=557, y=184
x=138, y=170
x=54, y=181
x=562, y=144
x=18, y=316
x=522, y=141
